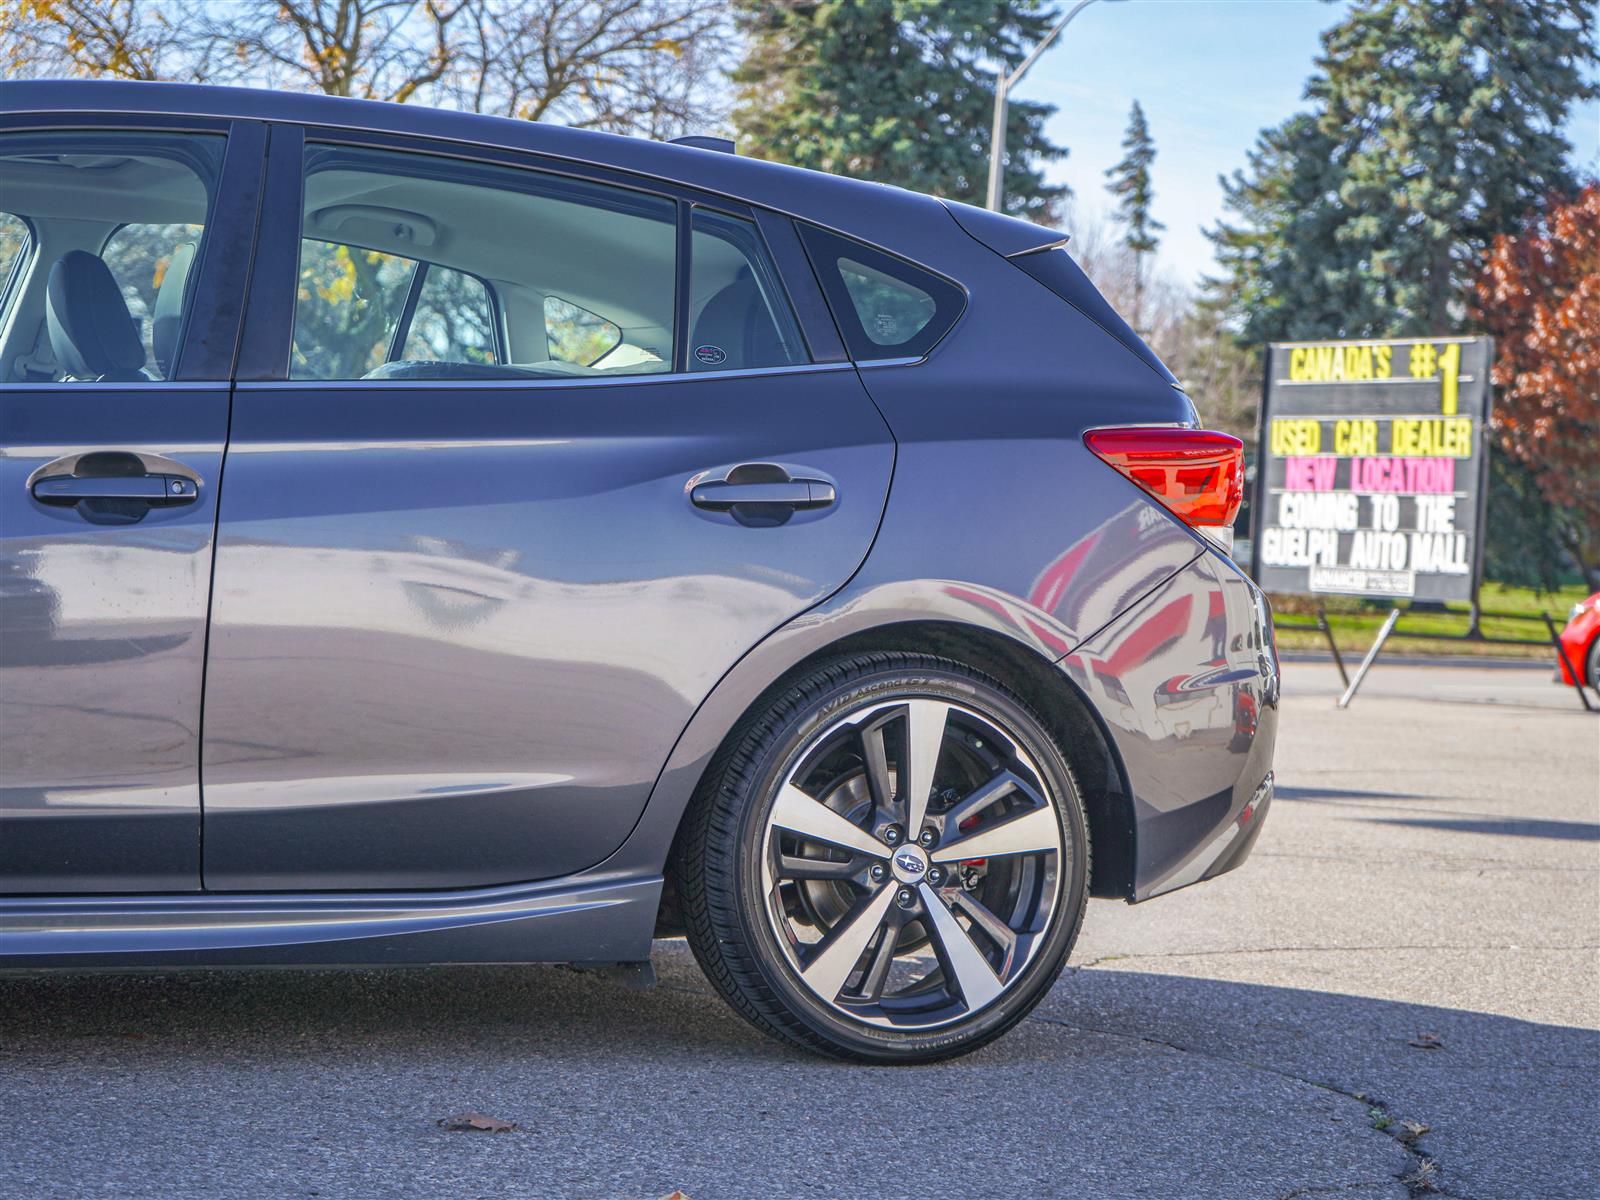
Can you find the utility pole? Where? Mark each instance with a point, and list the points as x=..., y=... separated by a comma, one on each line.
x=1004, y=82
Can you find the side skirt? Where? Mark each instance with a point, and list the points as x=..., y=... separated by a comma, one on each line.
x=608, y=920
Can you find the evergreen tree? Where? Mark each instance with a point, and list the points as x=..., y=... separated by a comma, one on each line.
x=1130, y=183
x=1433, y=125
x=900, y=91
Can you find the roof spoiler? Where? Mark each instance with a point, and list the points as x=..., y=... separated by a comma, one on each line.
x=701, y=141
x=1006, y=236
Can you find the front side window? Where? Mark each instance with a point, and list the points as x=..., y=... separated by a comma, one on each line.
x=100, y=238
x=16, y=243
x=419, y=267
x=885, y=306
x=141, y=256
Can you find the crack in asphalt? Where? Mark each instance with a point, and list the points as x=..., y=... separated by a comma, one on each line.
x=1418, y=1182
x=1330, y=1189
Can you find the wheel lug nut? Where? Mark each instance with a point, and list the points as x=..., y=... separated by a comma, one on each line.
x=878, y=872
x=906, y=898
x=892, y=835
x=935, y=876
x=928, y=838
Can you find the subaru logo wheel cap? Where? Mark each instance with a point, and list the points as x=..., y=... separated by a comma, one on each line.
x=910, y=864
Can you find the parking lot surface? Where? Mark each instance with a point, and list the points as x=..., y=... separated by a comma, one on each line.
x=1399, y=991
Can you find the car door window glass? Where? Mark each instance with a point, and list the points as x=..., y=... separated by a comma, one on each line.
x=453, y=320
x=141, y=257
x=741, y=317
x=16, y=241
x=523, y=274
x=104, y=229
x=576, y=335
x=885, y=306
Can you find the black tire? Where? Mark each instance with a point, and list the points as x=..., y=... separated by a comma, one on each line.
x=721, y=849
x=1594, y=664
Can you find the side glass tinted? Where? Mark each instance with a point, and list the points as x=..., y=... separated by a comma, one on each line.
x=141, y=256
x=118, y=222
x=453, y=320
x=885, y=306
x=16, y=242
x=576, y=335
x=420, y=267
x=740, y=315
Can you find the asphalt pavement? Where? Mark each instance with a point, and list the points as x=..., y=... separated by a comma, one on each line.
x=1402, y=984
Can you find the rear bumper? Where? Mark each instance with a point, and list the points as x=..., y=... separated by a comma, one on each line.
x=1186, y=684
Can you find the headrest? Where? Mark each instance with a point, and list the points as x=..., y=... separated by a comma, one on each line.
x=167, y=318
x=91, y=331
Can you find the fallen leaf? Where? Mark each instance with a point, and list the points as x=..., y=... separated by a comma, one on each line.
x=476, y=1122
x=1426, y=1041
x=675, y=1194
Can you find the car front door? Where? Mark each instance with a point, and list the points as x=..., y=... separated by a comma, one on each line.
x=121, y=245
x=521, y=462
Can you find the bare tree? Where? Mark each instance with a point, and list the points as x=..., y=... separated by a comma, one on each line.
x=372, y=49
x=114, y=39
x=632, y=66
x=646, y=66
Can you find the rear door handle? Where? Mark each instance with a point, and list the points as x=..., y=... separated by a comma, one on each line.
x=721, y=495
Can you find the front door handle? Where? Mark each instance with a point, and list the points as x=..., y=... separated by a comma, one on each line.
x=68, y=490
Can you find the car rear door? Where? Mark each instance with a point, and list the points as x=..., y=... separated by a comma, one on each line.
x=119, y=316
x=464, y=607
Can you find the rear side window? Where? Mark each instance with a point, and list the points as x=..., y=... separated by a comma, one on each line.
x=740, y=317
x=885, y=306
x=416, y=267
x=453, y=320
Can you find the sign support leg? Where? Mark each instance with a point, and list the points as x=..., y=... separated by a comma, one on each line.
x=1372, y=656
x=1561, y=653
x=1327, y=632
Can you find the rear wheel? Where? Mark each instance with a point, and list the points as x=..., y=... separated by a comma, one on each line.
x=890, y=863
x=1594, y=663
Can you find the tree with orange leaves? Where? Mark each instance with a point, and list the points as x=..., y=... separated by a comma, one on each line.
x=1539, y=294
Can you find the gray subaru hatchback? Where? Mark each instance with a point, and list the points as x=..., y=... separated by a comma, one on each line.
x=432, y=538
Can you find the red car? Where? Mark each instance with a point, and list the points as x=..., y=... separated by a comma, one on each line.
x=1581, y=640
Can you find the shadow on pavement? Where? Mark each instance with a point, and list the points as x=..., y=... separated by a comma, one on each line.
x=1562, y=831
x=1122, y=1084
x=1318, y=793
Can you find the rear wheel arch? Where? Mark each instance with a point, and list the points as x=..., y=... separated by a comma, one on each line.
x=1067, y=715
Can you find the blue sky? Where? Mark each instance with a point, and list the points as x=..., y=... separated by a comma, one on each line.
x=1210, y=75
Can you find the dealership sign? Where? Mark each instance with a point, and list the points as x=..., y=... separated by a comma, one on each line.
x=1372, y=468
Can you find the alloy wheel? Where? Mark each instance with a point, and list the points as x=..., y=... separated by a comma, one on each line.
x=912, y=863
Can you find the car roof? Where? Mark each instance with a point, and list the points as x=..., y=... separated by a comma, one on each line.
x=873, y=211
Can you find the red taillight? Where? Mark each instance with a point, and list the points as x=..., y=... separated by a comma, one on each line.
x=1196, y=473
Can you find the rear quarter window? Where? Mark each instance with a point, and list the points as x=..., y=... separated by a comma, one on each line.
x=885, y=307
